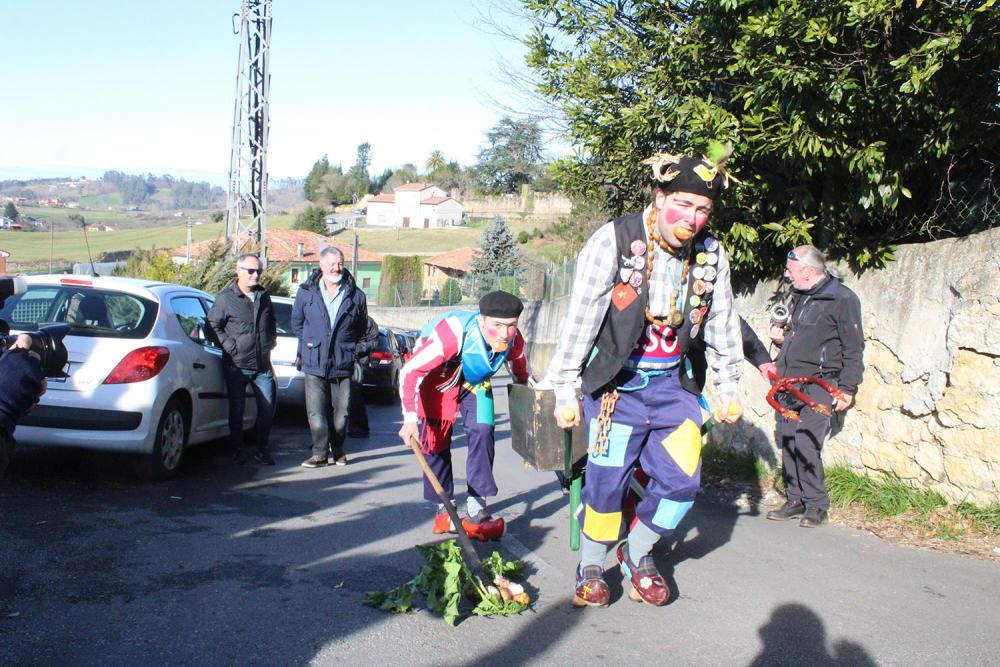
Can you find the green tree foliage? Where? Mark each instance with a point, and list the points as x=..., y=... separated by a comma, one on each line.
x=512, y=158
x=10, y=211
x=498, y=257
x=313, y=219
x=134, y=189
x=358, y=178
x=405, y=174
x=451, y=292
x=844, y=114
x=378, y=183
x=311, y=187
x=211, y=272
x=186, y=194
x=435, y=161
x=577, y=227
x=401, y=283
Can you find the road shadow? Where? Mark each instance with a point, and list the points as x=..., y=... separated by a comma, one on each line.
x=795, y=635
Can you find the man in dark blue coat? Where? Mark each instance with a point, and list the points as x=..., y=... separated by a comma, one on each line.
x=329, y=317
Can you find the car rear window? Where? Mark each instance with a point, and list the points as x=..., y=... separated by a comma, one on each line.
x=98, y=313
x=383, y=341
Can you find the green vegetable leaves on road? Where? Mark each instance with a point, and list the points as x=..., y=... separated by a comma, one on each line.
x=443, y=578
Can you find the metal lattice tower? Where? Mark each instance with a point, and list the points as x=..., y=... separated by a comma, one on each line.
x=246, y=214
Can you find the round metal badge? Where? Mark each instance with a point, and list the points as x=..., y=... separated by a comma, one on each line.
x=710, y=273
x=712, y=258
x=711, y=244
x=698, y=287
x=695, y=317
x=638, y=247
x=638, y=263
x=695, y=301
x=700, y=258
x=698, y=272
x=636, y=279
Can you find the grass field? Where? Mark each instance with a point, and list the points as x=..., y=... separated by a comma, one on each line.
x=165, y=231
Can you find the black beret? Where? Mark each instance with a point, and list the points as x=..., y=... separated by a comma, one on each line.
x=696, y=176
x=500, y=304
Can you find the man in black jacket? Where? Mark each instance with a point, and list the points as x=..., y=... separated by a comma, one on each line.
x=822, y=338
x=242, y=319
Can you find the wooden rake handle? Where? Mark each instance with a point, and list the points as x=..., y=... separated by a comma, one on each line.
x=463, y=538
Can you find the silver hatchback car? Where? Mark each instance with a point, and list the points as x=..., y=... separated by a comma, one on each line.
x=144, y=375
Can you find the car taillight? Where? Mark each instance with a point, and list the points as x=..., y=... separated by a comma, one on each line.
x=382, y=356
x=139, y=365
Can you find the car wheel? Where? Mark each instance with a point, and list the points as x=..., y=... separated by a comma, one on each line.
x=168, y=448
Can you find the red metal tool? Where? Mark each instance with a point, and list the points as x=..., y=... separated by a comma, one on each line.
x=787, y=384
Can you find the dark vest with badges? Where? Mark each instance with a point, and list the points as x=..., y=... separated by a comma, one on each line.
x=626, y=318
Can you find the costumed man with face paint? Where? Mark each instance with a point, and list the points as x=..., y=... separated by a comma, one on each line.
x=449, y=372
x=647, y=285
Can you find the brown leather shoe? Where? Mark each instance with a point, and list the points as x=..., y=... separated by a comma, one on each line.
x=647, y=584
x=591, y=589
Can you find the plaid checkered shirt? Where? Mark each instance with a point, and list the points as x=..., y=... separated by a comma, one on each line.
x=597, y=272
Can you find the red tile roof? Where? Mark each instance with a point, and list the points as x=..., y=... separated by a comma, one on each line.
x=459, y=258
x=283, y=246
x=414, y=187
x=382, y=198
x=435, y=200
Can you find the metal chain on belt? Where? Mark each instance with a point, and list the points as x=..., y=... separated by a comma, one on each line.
x=600, y=446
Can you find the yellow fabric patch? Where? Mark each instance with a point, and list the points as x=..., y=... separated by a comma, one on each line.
x=602, y=527
x=705, y=173
x=684, y=446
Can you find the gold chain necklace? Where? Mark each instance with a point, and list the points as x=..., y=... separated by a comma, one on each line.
x=672, y=320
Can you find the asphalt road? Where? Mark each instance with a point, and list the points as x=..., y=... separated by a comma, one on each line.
x=232, y=564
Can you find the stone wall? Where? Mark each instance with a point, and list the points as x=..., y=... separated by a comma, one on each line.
x=928, y=410
x=538, y=206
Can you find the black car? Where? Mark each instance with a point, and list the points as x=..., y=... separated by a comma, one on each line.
x=382, y=374
x=407, y=340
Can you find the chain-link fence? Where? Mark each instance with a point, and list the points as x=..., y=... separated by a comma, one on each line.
x=953, y=216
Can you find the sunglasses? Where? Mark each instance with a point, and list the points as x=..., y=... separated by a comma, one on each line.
x=257, y=271
x=791, y=255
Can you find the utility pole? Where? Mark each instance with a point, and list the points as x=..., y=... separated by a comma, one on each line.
x=246, y=213
x=190, y=224
x=52, y=240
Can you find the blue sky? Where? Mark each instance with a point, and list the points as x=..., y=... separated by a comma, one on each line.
x=143, y=86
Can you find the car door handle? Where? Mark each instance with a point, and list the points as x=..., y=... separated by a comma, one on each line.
x=198, y=364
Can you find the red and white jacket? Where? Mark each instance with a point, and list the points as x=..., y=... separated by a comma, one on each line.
x=435, y=360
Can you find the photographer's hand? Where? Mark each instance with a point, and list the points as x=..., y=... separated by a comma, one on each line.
x=22, y=341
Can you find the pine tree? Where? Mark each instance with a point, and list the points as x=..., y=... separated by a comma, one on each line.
x=499, y=258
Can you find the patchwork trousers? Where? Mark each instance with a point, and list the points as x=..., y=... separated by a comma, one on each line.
x=658, y=427
x=476, y=408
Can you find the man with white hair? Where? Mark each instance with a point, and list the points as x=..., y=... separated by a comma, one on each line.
x=822, y=338
x=329, y=317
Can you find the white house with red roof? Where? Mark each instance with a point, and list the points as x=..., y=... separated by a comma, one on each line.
x=415, y=205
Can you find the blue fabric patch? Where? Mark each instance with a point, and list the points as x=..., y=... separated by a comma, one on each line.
x=670, y=512
x=484, y=407
x=614, y=456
